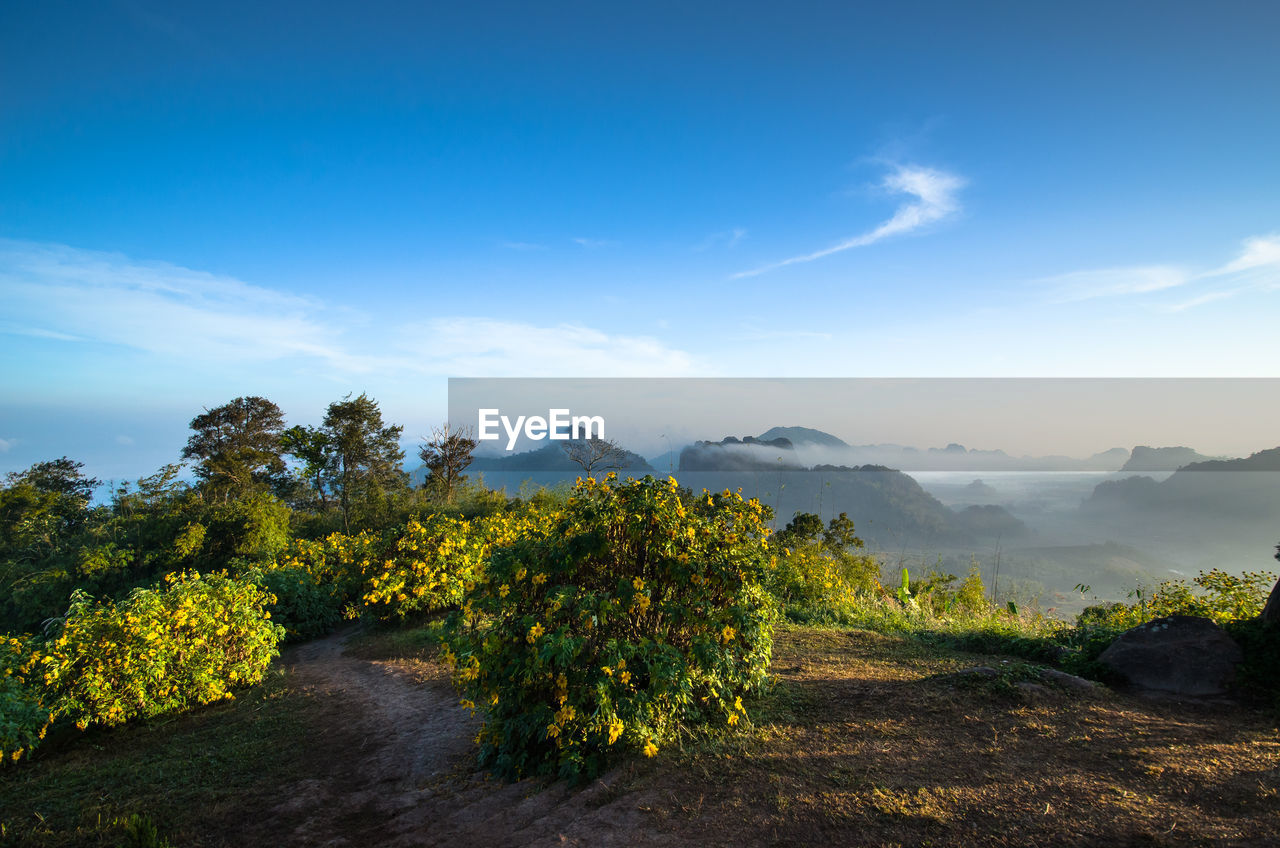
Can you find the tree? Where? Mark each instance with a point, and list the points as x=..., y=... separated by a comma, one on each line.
x=593, y=454
x=364, y=454
x=311, y=446
x=60, y=476
x=237, y=447
x=446, y=455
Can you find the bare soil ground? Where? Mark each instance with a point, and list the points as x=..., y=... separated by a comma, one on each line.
x=865, y=739
x=398, y=769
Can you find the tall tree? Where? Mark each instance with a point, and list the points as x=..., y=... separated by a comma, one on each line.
x=447, y=454
x=237, y=447
x=365, y=453
x=595, y=454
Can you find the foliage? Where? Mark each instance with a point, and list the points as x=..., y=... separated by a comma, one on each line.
x=446, y=455
x=635, y=616
x=303, y=606
x=365, y=455
x=237, y=447
x=818, y=576
x=1222, y=597
x=187, y=642
x=437, y=560
x=23, y=715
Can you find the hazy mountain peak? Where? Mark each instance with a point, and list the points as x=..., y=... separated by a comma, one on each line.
x=800, y=436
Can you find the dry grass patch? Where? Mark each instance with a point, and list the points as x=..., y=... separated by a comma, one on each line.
x=868, y=740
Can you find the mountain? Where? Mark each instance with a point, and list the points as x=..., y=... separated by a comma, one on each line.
x=798, y=436
x=1232, y=504
x=1267, y=460
x=1145, y=458
x=550, y=458
x=734, y=454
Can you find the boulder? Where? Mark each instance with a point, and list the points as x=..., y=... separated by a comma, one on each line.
x=1067, y=681
x=1271, y=612
x=1178, y=654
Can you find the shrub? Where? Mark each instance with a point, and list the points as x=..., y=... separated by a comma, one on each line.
x=162, y=650
x=303, y=607
x=635, y=616
x=23, y=716
x=337, y=562
x=814, y=584
x=437, y=560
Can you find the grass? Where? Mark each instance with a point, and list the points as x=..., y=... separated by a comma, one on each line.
x=865, y=738
x=868, y=739
x=188, y=777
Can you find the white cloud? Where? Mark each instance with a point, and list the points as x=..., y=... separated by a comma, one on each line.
x=483, y=347
x=1111, y=282
x=1255, y=268
x=178, y=314
x=7, y=444
x=935, y=199
x=725, y=238
x=68, y=294
x=592, y=244
x=124, y=441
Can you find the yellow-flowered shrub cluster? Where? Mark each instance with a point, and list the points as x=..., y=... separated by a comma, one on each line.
x=633, y=615
x=190, y=641
x=23, y=715
x=814, y=583
x=438, y=560
x=430, y=566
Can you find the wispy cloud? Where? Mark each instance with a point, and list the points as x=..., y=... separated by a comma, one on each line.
x=63, y=293
x=724, y=239
x=1255, y=268
x=483, y=347
x=7, y=444
x=934, y=198
x=177, y=314
x=592, y=244
x=521, y=245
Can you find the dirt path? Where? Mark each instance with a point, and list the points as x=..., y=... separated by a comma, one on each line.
x=395, y=767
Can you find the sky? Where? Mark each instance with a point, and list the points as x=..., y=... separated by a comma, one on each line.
x=304, y=200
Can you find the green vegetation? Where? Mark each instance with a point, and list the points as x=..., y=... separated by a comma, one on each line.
x=635, y=615
x=584, y=626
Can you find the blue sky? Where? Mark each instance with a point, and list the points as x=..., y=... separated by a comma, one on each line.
x=200, y=201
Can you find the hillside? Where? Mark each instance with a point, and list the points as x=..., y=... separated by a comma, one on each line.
x=864, y=739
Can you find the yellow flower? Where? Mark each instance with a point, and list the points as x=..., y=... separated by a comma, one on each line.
x=726, y=635
x=615, y=730
x=638, y=583
x=733, y=719
x=625, y=677
x=539, y=579
x=534, y=632
x=650, y=749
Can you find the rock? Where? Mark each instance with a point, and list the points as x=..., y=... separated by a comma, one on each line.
x=1179, y=654
x=1067, y=681
x=1033, y=690
x=1271, y=612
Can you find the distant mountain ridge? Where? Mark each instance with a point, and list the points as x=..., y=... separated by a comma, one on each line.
x=1144, y=458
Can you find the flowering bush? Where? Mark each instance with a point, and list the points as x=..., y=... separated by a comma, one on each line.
x=633, y=616
x=437, y=560
x=161, y=650
x=23, y=716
